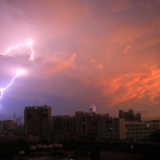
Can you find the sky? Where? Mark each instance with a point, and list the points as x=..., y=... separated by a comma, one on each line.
x=101, y=52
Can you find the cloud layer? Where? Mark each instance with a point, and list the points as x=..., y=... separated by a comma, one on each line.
x=101, y=52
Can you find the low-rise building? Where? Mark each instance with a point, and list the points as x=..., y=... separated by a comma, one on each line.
x=130, y=130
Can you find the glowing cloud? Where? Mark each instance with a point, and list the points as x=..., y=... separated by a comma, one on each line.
x=29, y=44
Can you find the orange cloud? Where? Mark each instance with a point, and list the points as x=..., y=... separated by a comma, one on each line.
x=133, y=86
x=58, y=62
x=127, y=48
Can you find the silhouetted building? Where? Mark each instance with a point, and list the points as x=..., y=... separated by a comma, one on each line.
x=129, y=116
x=37, y=122
x=109, y=128
x=39, y=125
x=87, y=123
x=19, y=120
x=64, y=124
x=14, y=117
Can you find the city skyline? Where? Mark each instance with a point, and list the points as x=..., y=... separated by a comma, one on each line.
x=85, y=52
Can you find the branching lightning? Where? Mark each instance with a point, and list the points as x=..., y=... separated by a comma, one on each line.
x=99, y=27
x=29, y=44
x=3, y=89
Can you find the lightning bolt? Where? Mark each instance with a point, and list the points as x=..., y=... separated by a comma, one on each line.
x=29, y=44
x=3, y=89
x=99, y=27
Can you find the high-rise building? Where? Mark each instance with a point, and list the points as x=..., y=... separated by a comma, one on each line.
x=37, y=122
x=14, y=117
x=129, y=116
x=92, y=109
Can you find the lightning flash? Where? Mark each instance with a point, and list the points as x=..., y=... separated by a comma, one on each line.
x=29, y=44
x=99, y=27
x=3, y=89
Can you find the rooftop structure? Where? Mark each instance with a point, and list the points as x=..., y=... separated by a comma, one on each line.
x=129, y=116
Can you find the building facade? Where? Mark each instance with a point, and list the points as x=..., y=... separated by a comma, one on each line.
x=87, y=123
x=140, y=130
x=37, y=122
x=64, y=124
x=119, y=128
x=111, y=128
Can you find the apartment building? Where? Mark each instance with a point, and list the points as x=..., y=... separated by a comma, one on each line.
x=37, y=122
x=109, y=128
x=87, y=123
x=64, y=124
x=40, y=125
x=121, y=129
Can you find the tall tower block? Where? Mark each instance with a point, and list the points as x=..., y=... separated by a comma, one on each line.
x=92, y=109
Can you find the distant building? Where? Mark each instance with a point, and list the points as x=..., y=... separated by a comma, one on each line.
x=87, y=123
x=37, y=122
x=6, y=125
x=14, y=117
x=92, y=109
x=129, y=116
x=19, y=120
x=9, y=125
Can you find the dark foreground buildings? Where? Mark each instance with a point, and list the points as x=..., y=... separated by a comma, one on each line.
x=40, y=125
x=37, y=123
